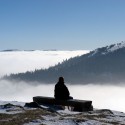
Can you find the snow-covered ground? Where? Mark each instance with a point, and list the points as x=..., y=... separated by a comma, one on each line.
x=12, y=112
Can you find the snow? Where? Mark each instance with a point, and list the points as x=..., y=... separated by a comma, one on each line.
x=117, y=113
x=34, y=122
x=59, y=122
x=49, y=117
x=12, y=102
x=91, y=122
x=95, y=51
x=109, y=49
x=66, y=117
x=12, y=110
x=116, y=47
x=66, y=111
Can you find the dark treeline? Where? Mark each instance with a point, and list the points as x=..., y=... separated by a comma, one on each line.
x=99, y=66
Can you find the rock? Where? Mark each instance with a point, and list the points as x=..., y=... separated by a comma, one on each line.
x=32, y=105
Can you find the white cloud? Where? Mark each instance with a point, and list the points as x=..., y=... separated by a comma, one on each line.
x=22, y=61
x=103, y=97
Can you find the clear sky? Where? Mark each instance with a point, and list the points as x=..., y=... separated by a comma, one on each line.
x=61, y=24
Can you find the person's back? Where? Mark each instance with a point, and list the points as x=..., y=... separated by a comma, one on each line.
x=61, y=91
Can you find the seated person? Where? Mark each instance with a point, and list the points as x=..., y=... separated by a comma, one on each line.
x=61, y=91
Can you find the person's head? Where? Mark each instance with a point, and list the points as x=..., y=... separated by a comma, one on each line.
x=61, y=79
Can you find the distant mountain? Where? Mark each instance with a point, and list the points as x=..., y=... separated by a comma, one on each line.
x=14, y=50
x=10, y=50
x=103, y=65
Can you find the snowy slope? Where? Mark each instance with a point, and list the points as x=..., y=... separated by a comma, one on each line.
x=116, y=46
x=18, y=114
x=108, y=49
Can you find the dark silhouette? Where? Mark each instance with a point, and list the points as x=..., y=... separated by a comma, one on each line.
x=61, y=91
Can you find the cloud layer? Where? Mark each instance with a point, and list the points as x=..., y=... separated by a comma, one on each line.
x=103, y=97
x=22, y=61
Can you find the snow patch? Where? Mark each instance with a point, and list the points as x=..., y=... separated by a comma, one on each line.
x=66, y=111
x=94, y=53
x=116, y=47
x=34, y=122
x=108, y=49
x=59, y=122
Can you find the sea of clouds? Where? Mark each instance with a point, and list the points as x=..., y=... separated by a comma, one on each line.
x=103, y=96
x=22, y=61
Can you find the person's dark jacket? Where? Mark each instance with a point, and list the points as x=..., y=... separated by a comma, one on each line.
x=61, y=91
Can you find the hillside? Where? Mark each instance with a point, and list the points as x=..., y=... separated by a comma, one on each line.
x=103, y=65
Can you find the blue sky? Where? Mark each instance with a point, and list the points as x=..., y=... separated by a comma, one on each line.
x=61, y=24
